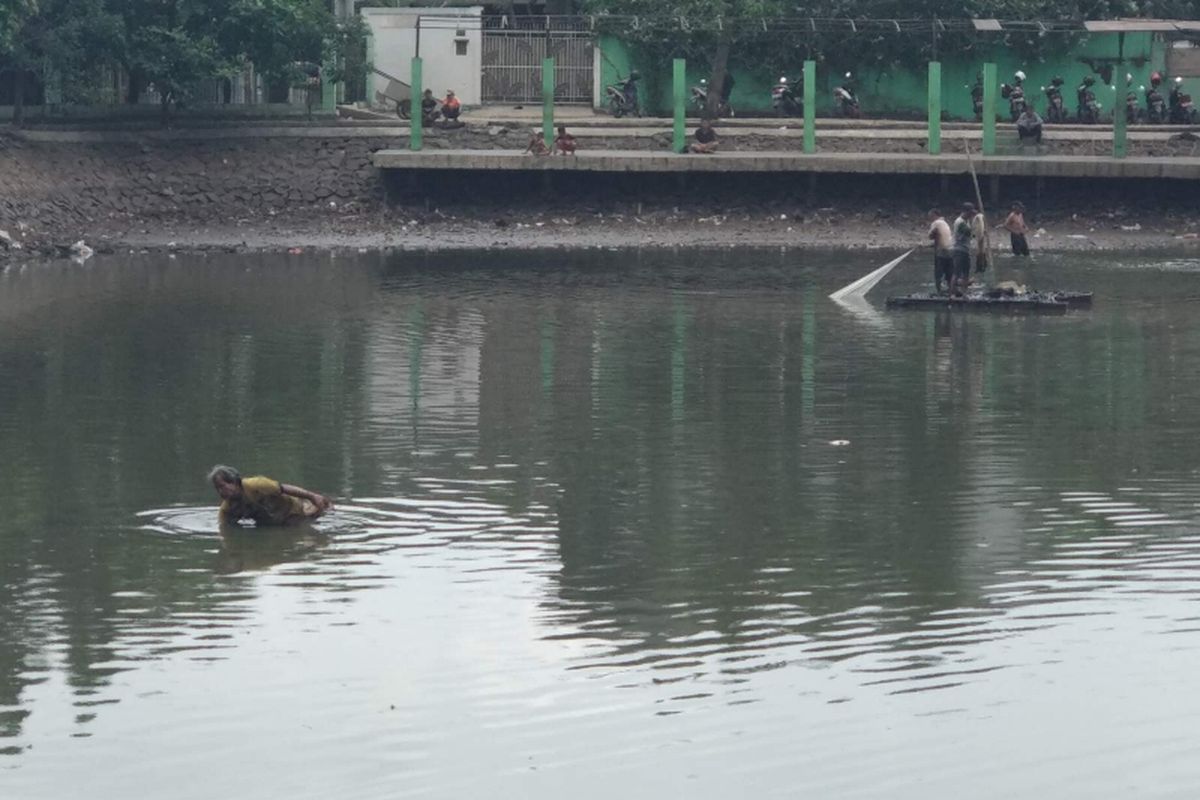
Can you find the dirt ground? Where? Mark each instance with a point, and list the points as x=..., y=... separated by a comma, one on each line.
x=761, y=227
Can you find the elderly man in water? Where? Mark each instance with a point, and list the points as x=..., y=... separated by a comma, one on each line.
x=264, y=500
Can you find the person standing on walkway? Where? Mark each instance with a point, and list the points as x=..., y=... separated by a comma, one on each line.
x=964, y=239
x=1015, y=225
x=943, y=250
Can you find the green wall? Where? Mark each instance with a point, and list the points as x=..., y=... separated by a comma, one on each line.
x=901, y=92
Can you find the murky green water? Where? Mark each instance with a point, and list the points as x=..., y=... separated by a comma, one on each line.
x=598, y=534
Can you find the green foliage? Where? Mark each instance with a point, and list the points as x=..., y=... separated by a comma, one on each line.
x=175, y=44
x=280, y=37
x=344, y=52
x=173, y=59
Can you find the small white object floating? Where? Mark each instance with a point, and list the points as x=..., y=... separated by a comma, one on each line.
x=839, y=442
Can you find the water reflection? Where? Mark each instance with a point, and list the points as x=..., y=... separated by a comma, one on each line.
x=620, y=466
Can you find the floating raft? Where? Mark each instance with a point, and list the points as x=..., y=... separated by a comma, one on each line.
x=1044, y=302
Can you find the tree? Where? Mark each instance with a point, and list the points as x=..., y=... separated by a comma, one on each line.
x=294, y=40
x=173, y=60
x=68, y=37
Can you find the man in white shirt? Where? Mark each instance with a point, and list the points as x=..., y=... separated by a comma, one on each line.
x=982, y=254
x=943, y=250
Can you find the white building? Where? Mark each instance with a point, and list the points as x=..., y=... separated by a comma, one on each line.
x=448, y=40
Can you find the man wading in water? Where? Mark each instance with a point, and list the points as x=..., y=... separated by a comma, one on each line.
x=964, y=235
x=266, y=501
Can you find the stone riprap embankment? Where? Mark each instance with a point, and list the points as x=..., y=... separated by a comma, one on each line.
x=63, y=180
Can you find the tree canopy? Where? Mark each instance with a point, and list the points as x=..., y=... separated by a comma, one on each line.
x=174, y=44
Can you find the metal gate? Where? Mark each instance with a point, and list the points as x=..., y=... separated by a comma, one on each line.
x=512, y=65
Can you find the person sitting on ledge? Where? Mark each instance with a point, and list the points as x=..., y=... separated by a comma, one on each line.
x=429, y=108
x=537, y=145
x=564, y=143
x=1029, y=126
x=266, y=501
x=705, y=138
x=451, y=108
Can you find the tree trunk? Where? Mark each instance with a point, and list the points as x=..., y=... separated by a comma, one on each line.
x=18, y=117
x=717, y=81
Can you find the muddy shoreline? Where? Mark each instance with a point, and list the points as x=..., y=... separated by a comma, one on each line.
x=277, y=194
x=401, y=229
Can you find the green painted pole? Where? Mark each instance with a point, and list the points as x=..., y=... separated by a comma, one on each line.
x=989, y=109
x=371, y=73
x=1118, y=147
x=678, y=140
x=329, y=89
x=548, y=101
x=810, y=106
x=415, y=133
x=935, y=108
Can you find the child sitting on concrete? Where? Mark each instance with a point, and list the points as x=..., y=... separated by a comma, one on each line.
x=564, y=143
x=537, y=145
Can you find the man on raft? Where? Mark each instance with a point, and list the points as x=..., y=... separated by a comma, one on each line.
x=264, y=500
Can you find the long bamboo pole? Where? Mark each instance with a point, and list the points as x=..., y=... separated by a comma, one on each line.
x=987, y=239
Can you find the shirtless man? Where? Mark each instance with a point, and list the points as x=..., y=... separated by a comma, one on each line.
x=266, y=501
x=1017, y=230
x=942, y=239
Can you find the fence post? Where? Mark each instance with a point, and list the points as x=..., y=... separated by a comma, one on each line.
x=370, y=87
x=677, y=103
x=935, y=108
x=810, y=106
x=1118, y=147
x=416, y=115
x=989, y=109
x=329, y=91
x=548, y=101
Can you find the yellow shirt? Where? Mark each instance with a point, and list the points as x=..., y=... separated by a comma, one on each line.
x=264, y=502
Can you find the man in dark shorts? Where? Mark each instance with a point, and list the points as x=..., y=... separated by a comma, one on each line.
x=964, y=233
x=1017, y=229
x=943, y=250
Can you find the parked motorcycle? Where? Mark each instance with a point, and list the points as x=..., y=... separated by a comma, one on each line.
x=1133, y=109
x=1156, y=104
x=623, y=96
x=1185, y=111
x=784, y=99
x=700, y=100
x=1182, y=110
x=847, y=102
x=1088, y=108
x=1056, y=109
x=1014, y=93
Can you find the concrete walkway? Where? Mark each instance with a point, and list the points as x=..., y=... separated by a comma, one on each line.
x=1180, y=168
x=584, y=117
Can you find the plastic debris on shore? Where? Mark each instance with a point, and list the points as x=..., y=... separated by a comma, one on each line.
x=80, y=252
